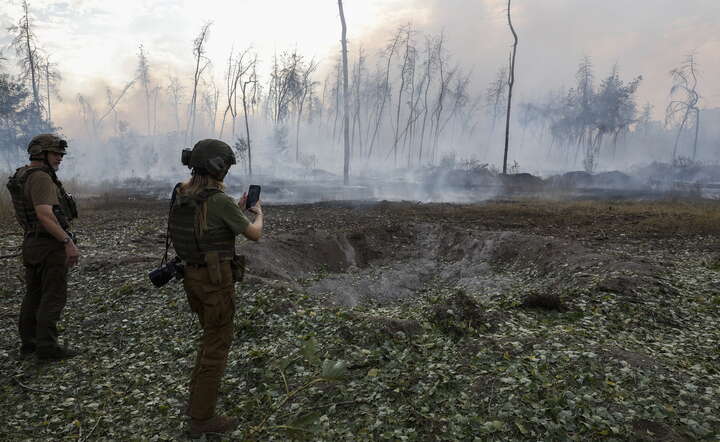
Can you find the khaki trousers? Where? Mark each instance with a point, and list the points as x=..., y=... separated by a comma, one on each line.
x=215, y=308
x=46, y=291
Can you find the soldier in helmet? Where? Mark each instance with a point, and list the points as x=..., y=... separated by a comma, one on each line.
x=203, y=224
x=44, y=210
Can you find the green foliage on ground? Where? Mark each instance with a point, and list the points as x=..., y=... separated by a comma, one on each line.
x=511, y=364
x=299, y=369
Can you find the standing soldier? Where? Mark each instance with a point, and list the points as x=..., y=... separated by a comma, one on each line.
x=44, y=210
x=203, y=224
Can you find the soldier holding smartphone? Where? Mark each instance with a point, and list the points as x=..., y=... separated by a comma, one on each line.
x=203, y=224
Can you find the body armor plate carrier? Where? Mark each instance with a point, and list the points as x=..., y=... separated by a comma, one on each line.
x=25, y=214
x=191, y=245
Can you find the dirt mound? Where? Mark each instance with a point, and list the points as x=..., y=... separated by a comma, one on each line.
x=602, y=180
x=546, y=254
x=300, y=255
x=390, y=263
x=572, y=180
x=615, y=180
x=458, y=178
x=666, y=176
x=459, y=315
x=521, y=182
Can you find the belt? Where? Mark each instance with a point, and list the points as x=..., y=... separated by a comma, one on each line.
x=43, y=235
x=203, y=265
x=195, y=266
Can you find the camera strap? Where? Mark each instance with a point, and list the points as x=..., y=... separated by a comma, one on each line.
x=167, y=230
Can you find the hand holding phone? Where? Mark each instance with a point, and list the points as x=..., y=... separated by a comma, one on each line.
x=253, y=196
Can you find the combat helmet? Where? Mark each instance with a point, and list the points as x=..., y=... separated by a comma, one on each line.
x=46, y=143
x=209, y=157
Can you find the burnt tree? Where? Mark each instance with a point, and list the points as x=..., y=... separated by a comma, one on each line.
x=346, y=98
x=511, y=82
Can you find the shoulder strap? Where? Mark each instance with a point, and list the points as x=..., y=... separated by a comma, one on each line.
x=25, y=174
x=173, y=197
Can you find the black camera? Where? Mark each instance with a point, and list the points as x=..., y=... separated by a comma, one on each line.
x=162, y=275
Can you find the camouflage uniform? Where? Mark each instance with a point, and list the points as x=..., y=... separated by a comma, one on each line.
x=209, y=285
x=43, y=255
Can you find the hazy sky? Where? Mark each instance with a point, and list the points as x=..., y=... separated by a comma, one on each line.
x=95, y=42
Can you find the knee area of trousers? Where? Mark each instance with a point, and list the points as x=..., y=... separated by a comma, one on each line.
x=213, y=363
x=44, y=316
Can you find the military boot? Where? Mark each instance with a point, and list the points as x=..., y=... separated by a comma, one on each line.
x=55, y=353
x=216, y=424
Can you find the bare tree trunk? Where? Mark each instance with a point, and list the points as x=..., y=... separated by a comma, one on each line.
x=47, y=85
x=31, y=60
x=357, y=119
x=108, y=95
x=400, y=94
x=198, y=51
x=409, y=131
x=385, y=94
x=156, y=94
x=336, y=91
x=437, y=112
x=322, y=99
x=511, y=82
x=247, y=124
x=252, y=80
x=346, y=104
x=677, y=137
x=306, y=86
x=230, y=89
x=427, y=91
x=697, y=131
x=111, y=104
x=234, y=117
x=143, y=74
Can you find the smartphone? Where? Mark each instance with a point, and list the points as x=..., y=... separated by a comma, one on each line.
x=253, y=196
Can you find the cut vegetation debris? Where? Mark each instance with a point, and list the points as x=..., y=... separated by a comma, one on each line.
x=517, y=320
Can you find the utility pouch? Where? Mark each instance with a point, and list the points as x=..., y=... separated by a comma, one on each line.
x=238, y=267
x=212, y=259
x=72, y=206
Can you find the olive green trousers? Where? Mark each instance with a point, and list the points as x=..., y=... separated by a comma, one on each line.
x=215, y=308
x=46, y=291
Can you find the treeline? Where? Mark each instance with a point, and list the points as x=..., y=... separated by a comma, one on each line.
x=593, y=114
x=580, y=119
x=404, y=99
x=411, y=103
x=25, y=99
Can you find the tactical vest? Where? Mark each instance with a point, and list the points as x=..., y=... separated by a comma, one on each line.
x=190, y=247
x=25, y=214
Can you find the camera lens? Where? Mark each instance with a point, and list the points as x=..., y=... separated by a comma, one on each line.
x=159, y=277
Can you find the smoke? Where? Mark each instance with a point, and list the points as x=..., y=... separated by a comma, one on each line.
x=641, y=38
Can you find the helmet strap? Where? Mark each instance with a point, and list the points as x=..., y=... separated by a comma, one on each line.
x=46, y=160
